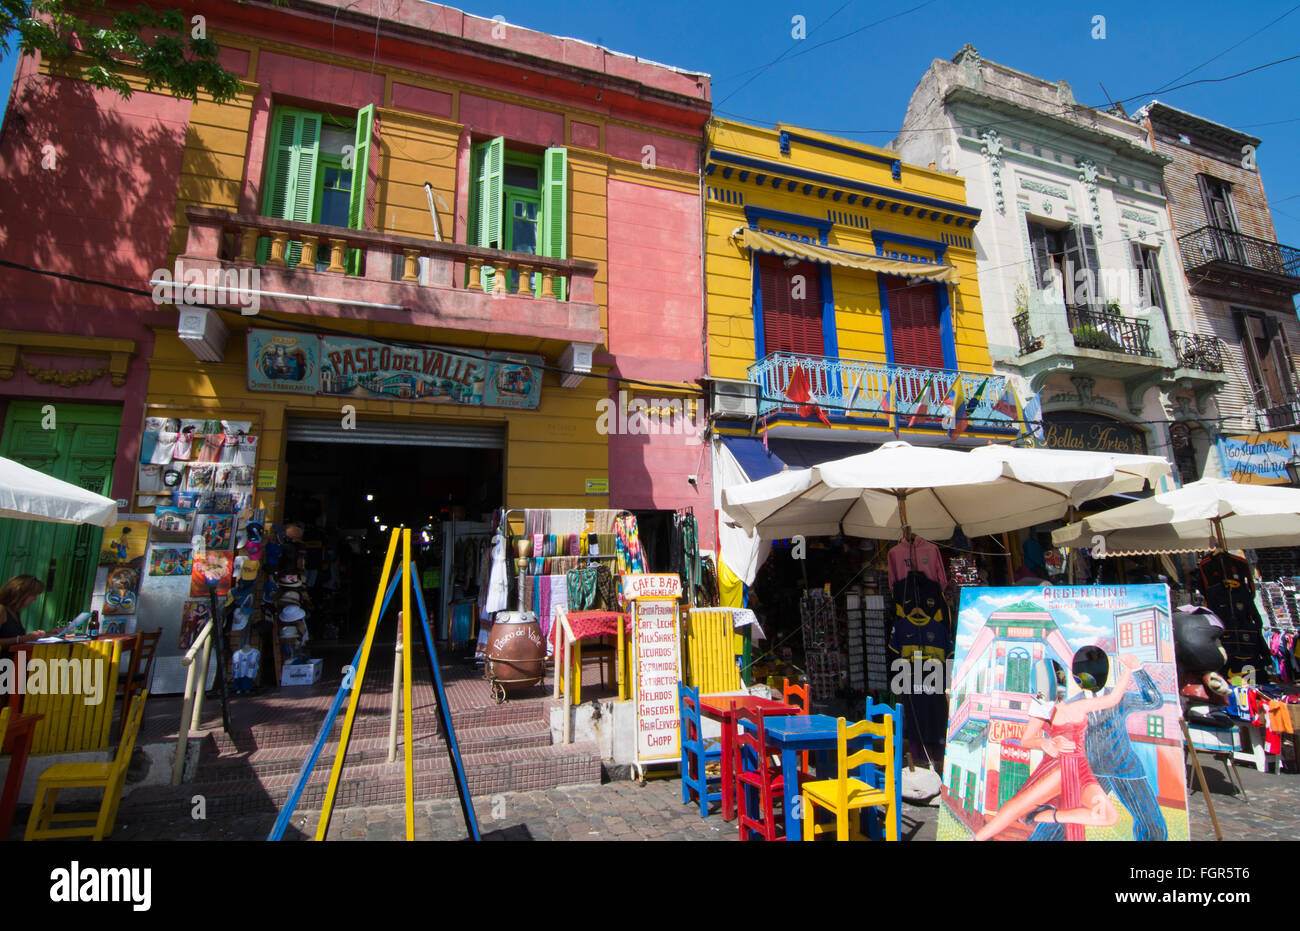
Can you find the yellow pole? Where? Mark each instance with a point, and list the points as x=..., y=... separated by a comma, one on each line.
x=327, y=807
x=408, y=754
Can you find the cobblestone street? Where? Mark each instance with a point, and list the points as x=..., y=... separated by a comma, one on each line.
x=626, y=811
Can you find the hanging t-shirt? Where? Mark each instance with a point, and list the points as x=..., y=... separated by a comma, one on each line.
x=245, y=663
x=918, y=554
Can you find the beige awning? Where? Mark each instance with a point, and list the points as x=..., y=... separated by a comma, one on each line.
x=757, y=241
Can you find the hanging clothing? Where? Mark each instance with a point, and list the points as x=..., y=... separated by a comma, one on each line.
x=920, y=555
x=498, y=587
x=628, y=545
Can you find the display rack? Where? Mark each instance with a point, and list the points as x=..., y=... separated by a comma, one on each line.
x=820, y=643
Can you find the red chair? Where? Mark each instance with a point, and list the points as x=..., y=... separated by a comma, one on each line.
x=759, y=782
x=805, y=706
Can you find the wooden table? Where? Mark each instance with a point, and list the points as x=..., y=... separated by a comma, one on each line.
x=18, y=744
x=71, y=724
x=817, y=733
x=723, y=708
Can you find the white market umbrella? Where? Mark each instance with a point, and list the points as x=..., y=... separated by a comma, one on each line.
x=1213, y=512
x=933, y=491
x=30, y=495
x=1130, y=473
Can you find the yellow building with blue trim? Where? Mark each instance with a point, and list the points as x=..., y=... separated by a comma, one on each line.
x=841, y=294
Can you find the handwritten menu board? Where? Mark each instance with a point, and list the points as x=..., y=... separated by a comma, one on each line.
x=656, y=647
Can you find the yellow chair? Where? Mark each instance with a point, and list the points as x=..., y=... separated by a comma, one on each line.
x=4, y=724
x=106, y=776
x=845, y=794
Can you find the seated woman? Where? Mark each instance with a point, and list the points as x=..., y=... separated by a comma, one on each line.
x=15, y=596
x=1063, y=789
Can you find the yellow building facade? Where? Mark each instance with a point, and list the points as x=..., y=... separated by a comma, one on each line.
x=834, y=268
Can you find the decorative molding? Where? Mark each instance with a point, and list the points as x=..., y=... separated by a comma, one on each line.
x=992, y=150
x=1029, y=184
x=1088, y=175
x=64, y=379
x=1129, y=214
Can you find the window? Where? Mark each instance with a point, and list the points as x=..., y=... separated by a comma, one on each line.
x=792, y=308
x=1188, y=440
x=1059, y=255
x=1217, y=196
x=1155, y=725
x=519, y=203
x=316, y=170
x=1018, y=671
x=1268, y=358
x=914, y=323
x=1146, y=259
x=1126, y=635
x=1148, y=633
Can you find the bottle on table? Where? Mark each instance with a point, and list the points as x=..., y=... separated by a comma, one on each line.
x=92, y=627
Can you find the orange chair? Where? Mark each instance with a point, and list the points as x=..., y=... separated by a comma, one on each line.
x=804, y=703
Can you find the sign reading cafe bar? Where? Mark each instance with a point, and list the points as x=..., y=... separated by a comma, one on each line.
x=344, y=366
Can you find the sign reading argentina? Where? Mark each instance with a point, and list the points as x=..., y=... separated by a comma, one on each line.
x=1257, y=458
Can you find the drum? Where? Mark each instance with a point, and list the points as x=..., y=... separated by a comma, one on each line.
x=516, y=653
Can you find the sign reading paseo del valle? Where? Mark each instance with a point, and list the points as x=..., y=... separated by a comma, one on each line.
x=341, y=366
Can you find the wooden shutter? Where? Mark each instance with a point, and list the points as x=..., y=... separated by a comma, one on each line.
x=914, y=323
x=1042, y=259
x=489, y=201
x=360, y=180
x=291, y=174
x=791, y=324
x=555, y=210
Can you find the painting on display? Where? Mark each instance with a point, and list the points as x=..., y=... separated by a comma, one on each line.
x=193, y=617
x=173, y=524
x=217, y=531
x=283, y=361
x=1063, y=717
x=170, y=560
x=121, y=590
x=124, y=543
x=211, y=567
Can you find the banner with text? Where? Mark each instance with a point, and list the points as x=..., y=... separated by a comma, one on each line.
x=655, y=645
x=1257, y=458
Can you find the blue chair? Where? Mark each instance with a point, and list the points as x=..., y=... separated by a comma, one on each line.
x=697, y=752
x=875, y=777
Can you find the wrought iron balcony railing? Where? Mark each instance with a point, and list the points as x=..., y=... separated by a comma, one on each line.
x=1108, y=331
x=1210, y=244
x=1284, y=416
x=1028, y=341
x=1194, y=351
x=843, y=387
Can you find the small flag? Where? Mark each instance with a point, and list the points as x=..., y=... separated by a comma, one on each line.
x=854, y=387
x=964, y=411
x=1007, y=404
x=955, y=399
x=923, y=402
x=800, y=392
x=1031, y=413
x=891, y=405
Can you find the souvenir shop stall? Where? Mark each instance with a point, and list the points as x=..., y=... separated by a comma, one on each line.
x=539, y=565
x=194, y=531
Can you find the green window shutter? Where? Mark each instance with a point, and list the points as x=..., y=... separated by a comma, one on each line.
x=555, y=209
x=360, y=178
x=489, y=185
x=291, y=174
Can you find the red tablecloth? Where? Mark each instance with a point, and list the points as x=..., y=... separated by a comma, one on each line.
x=588, y=624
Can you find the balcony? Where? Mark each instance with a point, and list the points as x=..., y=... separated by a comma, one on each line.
x=832, y=382
x=1109, y=331
x=1223, y=257
x=400, y=279
x=1284, y=416
x=1197, y=352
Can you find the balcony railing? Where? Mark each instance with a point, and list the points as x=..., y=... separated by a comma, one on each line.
x=1024, y=332
x=1194, y=351
x=843, y=387
x=1284, y=416
x=1109, y=332
x=433, y=283
x=1210, y=244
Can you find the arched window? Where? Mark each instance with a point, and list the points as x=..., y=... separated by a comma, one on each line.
x=1018, y=670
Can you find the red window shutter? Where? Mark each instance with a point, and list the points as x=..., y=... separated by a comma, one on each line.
x=914, y=323
x=790, y=324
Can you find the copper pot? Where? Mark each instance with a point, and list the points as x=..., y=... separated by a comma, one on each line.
x=516, y=652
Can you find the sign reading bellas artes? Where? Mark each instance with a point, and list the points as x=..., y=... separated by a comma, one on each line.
x=342, y=366
x=1091, y=433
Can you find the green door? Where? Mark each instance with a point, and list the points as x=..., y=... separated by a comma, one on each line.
x=80, y=449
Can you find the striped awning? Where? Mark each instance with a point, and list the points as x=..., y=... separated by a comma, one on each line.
x=757, y=241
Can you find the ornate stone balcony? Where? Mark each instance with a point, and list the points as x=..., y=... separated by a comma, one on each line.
x=399, y=279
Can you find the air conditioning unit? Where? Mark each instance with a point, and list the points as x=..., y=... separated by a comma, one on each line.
x=202, y=330
x=576, y=360
x=730, y=399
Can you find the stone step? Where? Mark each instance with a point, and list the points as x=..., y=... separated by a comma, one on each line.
x=375, y=783
x=274, y=760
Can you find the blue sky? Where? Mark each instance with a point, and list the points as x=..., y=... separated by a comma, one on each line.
x=864, y=81
x=862, y=78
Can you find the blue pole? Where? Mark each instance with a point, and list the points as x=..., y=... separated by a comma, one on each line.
x=453, y=751
x=304, y=772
